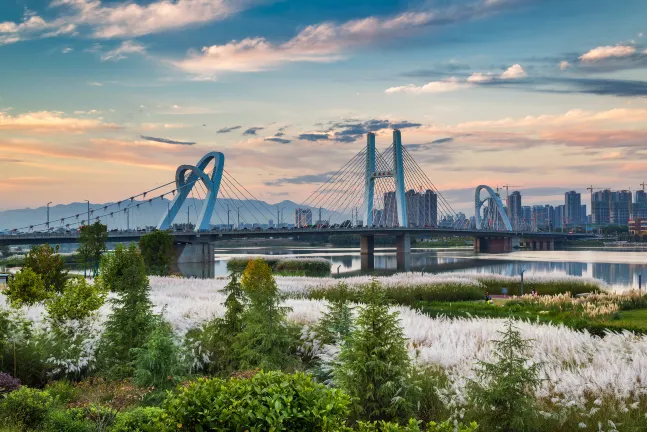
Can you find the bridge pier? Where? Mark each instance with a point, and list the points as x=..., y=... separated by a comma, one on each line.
x=194, y=253
x=367, y=252
x=492, y=245
x=403, y=251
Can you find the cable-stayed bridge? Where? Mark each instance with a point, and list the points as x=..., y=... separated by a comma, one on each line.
x=374, y=193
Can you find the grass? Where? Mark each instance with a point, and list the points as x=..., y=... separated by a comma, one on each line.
x=286, y=267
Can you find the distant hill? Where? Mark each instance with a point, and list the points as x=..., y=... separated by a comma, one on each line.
x=150, y=214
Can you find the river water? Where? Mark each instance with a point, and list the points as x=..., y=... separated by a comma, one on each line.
x=619, y=267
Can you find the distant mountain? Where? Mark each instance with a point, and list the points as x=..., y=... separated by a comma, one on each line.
x=150, y=214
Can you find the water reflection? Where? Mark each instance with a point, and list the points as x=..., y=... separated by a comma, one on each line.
x=619, y=269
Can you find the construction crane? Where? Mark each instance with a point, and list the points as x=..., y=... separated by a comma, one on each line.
x=643, y=185
x=507, y=197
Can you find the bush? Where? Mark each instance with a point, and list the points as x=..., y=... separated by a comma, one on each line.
x=142, y=419
x=46, y=262
x=26, y=408
x=78, y=301
x=8, y=383
x=308, y=265
x=238, y=265
x=158, y=253
x=67, y=421
x=266, y=401
x=415, y=426
x=62, y=391
x=26, y=288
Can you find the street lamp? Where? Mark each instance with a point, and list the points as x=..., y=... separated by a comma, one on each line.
x=88, y=201
x=48, y=215
x=522, y=272
x=187, y=217
x=238, y=214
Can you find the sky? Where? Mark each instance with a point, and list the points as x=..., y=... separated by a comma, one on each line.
x=102, y=99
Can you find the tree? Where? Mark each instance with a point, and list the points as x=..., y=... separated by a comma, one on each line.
x=129, y=324
x=5, y=251
x=374, y=366
x=503, y=394
x=158, y=253
x=266, y=340
x=78, y=301
x=336, y=323
x=92, y=244
x=26, y=288
x=49, y=265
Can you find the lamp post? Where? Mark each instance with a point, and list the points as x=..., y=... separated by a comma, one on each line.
x=522, y=271
x=88, y=201
x=238, y=215
x=187, y=217
x=48, y=215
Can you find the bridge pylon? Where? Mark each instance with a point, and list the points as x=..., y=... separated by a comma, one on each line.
x=397, y=172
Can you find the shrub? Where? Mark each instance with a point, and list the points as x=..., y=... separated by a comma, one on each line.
x=239, y=264
x=142, y=419
x=374, y=364
x=26, y=408
x=503, y=397
x=308, y=265
x=78, y=301
x=158, y=362
x=46, y=262
x=337, y=322
x=92, y=243
x=26, y=288
x=129, y=323
x=8, y=383
x=267, y=340
x=416, y=426
x=266, y=401
x=62, y=391
x=158, y=253
x=67, y=421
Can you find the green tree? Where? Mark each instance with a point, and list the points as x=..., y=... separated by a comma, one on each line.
x=503, y=394
x=92, y=244
x=337, y=322
x=374, y=366
x=26, y=288
x=78, y=301
x=266, y=340
x=46, y=262
x=129, y=324
x=5, y=251
x=157, y=249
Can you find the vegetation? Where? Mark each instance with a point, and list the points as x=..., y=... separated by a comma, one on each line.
x=158, y=253
x=26, y=288
x=291, y=266
x=92, y=244
x=78, y=301
x=25, y=408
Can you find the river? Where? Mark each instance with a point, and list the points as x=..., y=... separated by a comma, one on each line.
x=619, y=267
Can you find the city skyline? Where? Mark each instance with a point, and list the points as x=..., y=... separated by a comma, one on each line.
x=102, y=100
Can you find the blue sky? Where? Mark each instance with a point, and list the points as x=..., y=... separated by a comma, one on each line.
x=547, y=94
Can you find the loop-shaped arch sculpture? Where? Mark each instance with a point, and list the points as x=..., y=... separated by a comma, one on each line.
x=184, y=185
x=493, y=198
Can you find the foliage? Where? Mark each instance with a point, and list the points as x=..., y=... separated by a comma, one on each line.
x=429, y=404
x=159, y=361
x=503, y=394
x=20, y=351
x=5, y=251
x=308, y=265
x=25, y=408
x=416, y=426
x=157, y=250
x=8, y=383
x=67, y=421
x=141, y=419
x=63, y=391
x=266, y=401
x=336, y=322
x=239, y=264
x=78, y=301
x=49, y=265
x=129, y=323
x=92, y=243
x=26, y=288
x=116, y=395
x=374, y=365
x=266, y=340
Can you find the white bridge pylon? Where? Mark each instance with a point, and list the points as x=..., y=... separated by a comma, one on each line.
x=493, y=198
x=184, y=186
x=397, y=172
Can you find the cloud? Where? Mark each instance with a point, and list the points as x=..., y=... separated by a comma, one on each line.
x=252, y=130
x=313, y=137
x=67, y=50
x=51, y=122
x=605, y=52
x=446, y=85
x=278, y=140
x=166, y=141
x=479, y=77
x=228, y=129
x=350, y=131
x=514, y=72
x=563, y=65
x=303, y=179
x=33, y=27
x=442, y=140
x=328, y=41
x=119, y=53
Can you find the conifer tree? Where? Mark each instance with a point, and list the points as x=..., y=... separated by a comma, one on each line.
x=375, y=368
x=337, y=321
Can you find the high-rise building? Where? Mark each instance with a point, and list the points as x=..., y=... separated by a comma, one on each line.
x=600, y=207
x=514, y=206
x=541, y=216
x=526, y=216
x=584, y=219
x=611, y=207
x=558, y=217
x=302, y=218
x=422, y=209
x=390, y=210
x=572, y=208
x=640, y=205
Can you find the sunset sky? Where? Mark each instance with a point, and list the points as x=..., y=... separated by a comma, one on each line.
x=101, y=99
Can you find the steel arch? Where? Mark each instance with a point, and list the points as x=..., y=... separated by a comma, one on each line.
x=497, y=201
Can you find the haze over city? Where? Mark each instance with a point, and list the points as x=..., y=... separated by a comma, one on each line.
x=102, y=99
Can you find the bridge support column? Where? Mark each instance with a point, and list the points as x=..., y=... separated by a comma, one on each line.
x=194, y=253
x=367, y=252
x=551, y=244
x=493, y=245
x=403, y=251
